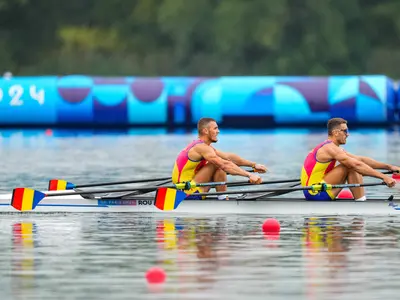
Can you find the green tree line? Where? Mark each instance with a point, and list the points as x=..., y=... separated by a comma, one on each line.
x=200, y=37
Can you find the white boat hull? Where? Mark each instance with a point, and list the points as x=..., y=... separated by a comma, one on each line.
x=271, y=206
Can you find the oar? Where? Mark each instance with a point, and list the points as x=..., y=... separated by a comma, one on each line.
x=141, y=192
x=25, y=199
x=241, y=183
x=61, y=185
x=169, y=199
x=269, y=194
x=283, y=191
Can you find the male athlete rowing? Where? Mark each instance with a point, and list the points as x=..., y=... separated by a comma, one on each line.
x=319, y=165
x=200, y=162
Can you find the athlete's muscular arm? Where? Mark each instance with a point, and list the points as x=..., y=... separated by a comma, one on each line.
x=226, y=165
x=373, y=163
x=236, y=159
x=239, y=161
x=352, y=163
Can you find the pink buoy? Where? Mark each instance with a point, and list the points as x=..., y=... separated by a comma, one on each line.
x=345, y=194
x=155, y=275
x=271, y=225
x=396, y=176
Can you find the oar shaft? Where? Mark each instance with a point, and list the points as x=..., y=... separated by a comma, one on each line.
x=169, y=177
x=131, y=189
x=240, y=183
x=282, y=181
x=122, y=182
x=130, y=181
x=235, y=183
x=291, y=189
x=144, y=188
x=351, y=185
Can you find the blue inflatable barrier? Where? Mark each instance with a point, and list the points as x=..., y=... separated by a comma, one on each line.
x=248, y=102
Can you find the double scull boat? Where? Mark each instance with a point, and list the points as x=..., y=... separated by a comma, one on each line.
x=246, y=204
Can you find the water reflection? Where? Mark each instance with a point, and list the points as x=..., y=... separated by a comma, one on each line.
x=325, y=255
x=187, y=249
x=311, y=258
x=24, y=242
x=333, y=249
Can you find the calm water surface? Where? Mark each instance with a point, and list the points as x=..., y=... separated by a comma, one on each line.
x=105, y=256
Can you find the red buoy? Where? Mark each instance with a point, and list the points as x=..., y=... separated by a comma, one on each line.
x=271, y=225
x=396, y=176
x=345, y=194
x=155, y=275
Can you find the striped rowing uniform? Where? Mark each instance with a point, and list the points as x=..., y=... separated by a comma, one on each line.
x=185, y=169
x=313, y=172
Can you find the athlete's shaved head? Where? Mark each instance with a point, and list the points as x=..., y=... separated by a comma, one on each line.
x=335, y=123
x=203, y=123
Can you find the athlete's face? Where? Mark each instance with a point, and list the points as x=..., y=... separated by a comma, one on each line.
x=341, y=134
x=212, y=132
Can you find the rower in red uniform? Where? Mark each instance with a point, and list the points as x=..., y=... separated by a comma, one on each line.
x=320, y=165
x=200, y=162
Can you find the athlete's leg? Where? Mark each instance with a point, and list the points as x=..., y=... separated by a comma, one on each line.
x=219, y=176
x=355, y=177
x=209, y=173
x=338, y=175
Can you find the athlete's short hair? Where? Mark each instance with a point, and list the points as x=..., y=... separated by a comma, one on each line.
x=203, y=123
x=334, y=123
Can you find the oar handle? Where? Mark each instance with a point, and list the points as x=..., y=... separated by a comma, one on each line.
x=390, y=172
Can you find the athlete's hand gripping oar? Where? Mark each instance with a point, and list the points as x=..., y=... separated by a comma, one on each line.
x=24, y=199
x=169, y=199
x=61, y=185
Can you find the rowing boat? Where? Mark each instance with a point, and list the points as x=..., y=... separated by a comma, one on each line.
x=260, y=206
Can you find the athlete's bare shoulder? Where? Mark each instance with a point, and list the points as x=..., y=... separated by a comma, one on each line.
x=327, y=152
x=199, y=151
x=202, y=146
x=333, y=151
